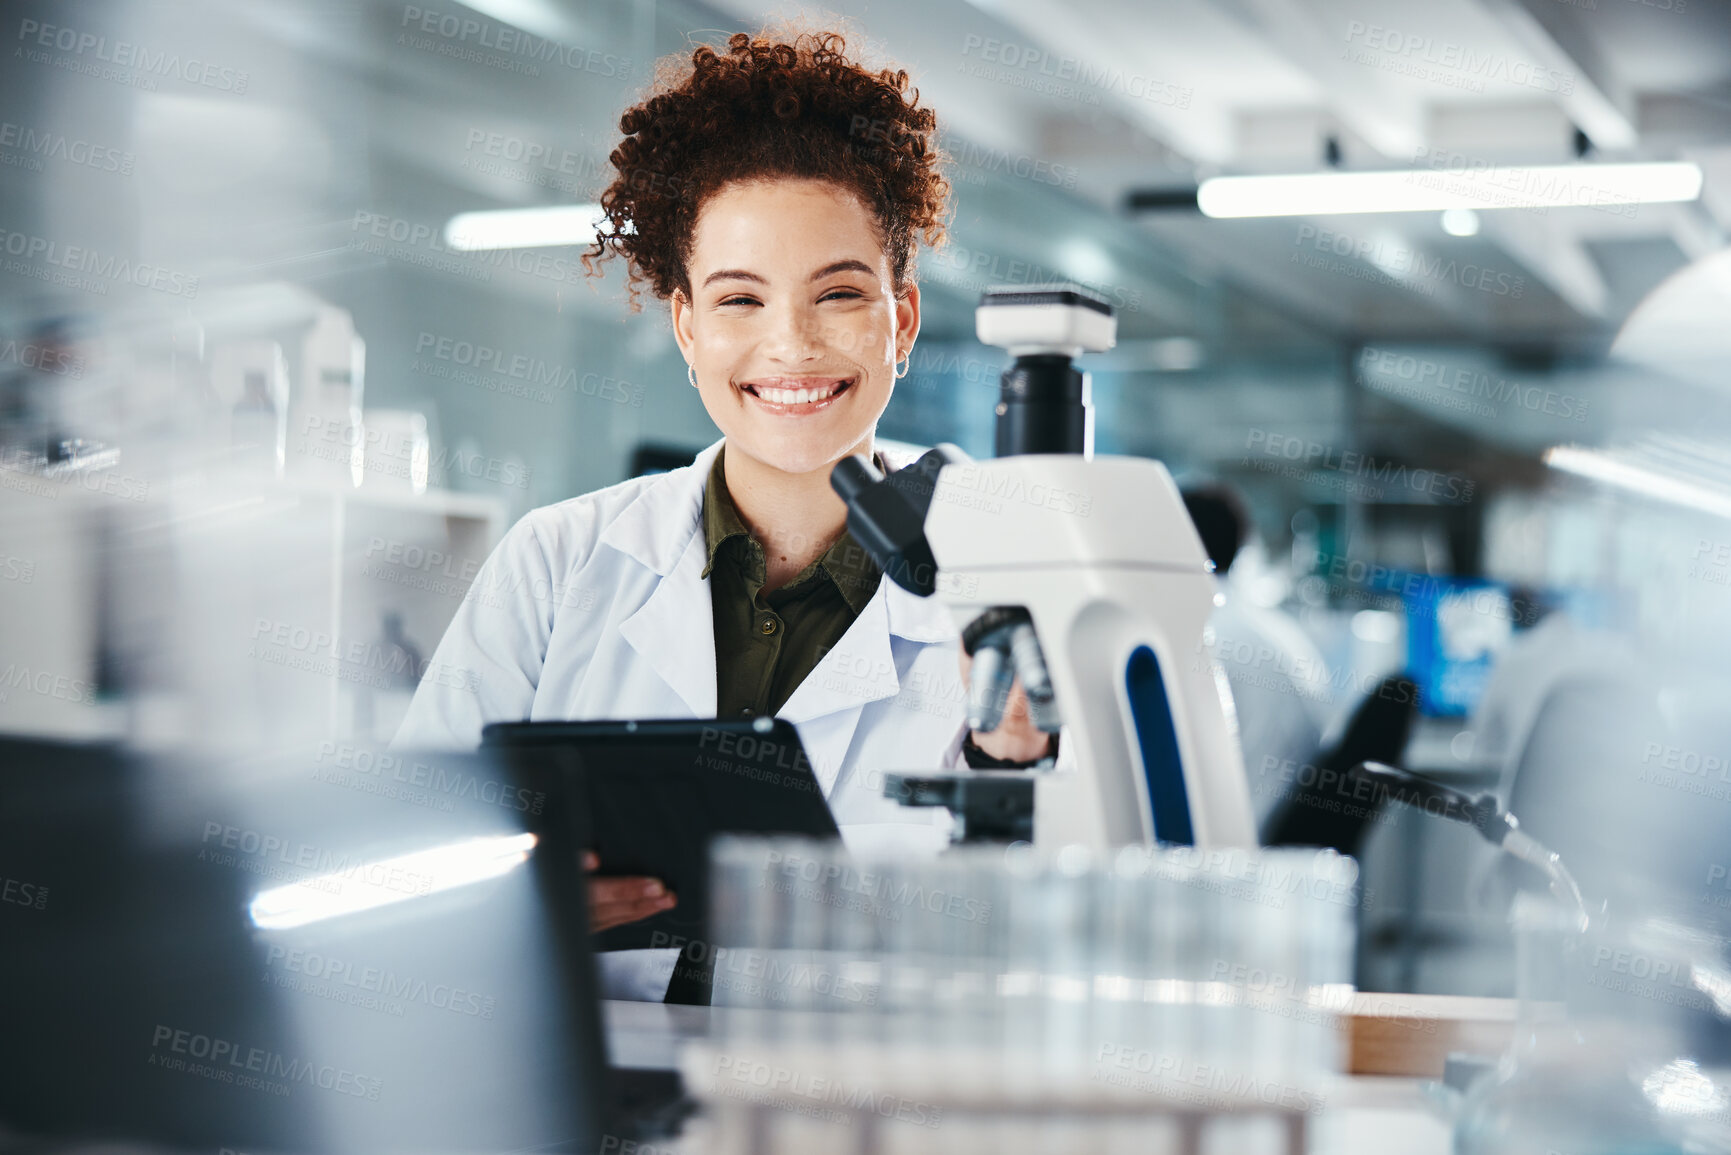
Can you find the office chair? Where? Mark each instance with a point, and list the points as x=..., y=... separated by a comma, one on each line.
x=1319, y=814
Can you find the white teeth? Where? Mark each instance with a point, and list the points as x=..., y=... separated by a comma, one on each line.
x=795, y=396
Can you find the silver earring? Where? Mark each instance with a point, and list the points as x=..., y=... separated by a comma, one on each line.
x=906, y=363
x=691, y=374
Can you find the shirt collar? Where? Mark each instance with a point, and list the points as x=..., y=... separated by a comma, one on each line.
x=846, y=563
x=721, y=519
x=852, y=570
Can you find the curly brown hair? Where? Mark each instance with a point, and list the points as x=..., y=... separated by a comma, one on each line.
x=771, y=107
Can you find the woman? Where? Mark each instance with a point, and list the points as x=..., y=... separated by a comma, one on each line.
x=772, y=196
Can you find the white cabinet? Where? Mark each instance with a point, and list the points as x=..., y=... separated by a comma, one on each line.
x=226, y=609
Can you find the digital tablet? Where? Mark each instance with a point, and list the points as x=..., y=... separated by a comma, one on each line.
x=650, y=795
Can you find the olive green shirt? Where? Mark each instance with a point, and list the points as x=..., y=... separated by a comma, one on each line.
x=766, y=644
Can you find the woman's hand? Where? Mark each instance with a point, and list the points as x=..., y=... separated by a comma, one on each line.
x=1016, y=739
x=616, y=901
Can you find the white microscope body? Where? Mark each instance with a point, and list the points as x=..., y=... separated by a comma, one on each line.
x=1101, y=557
x=1104, y=557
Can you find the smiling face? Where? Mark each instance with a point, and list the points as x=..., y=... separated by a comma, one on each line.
x=793, y=326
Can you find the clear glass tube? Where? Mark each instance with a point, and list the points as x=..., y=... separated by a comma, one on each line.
x=1036, y=974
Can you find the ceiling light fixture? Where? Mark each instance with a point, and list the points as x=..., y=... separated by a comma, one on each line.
x=1619, y=473
x=524, y=228
x=1436, y=190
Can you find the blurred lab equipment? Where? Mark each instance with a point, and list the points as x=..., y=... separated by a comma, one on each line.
x=1073, y=991
x=1498, y=827
x=1599, y=780
x=987, y=805
x=1077, y=572
x=1623, y=1014
x=197, y=574
x=379, y=709
x=49, y=422
x=292, y=952
x=250, y=378
x=407, y=668
x=1619, y=1041
x=325, y=424
x=396, y=449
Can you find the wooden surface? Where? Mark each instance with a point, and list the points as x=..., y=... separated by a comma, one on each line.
x=1412, y=1035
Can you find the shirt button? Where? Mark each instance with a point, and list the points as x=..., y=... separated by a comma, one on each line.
x=768, y=626
x=745, y=710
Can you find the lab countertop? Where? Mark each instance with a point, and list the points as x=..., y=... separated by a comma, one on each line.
x=1368, y=1115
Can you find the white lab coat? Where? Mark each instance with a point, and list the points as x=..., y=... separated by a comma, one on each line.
x=1280, y=691
x=596, y=608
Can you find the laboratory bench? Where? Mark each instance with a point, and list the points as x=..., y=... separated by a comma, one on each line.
x=648, y=1112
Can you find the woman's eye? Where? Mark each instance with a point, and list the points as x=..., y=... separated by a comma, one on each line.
x=738, y=301
x=839, y=294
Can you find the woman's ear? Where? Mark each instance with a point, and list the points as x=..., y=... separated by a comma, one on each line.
x=908, y=318
x=679, y=307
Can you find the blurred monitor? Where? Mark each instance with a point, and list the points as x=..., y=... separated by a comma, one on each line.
x=349, y=949
x=1456, y=628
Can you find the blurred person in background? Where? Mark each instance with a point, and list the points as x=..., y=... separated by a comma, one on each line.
x=1278, y=678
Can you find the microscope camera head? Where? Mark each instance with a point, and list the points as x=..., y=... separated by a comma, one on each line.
x=1054, y=319
x=1043, y=399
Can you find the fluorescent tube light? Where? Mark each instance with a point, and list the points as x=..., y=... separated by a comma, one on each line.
x=1649, y=483
x=1437, y=190
x=368, y=885
x=524, y=228
x=539, y=17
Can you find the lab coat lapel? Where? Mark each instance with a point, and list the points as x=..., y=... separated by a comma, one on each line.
x=860, y=669
x=674, y=629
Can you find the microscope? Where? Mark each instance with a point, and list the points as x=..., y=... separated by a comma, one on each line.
x=1081, y=574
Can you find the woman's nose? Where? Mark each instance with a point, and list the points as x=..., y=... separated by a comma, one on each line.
x=795, y=335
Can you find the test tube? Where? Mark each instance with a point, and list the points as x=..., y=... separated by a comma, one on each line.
x=1070, y=962
x=852, y=948
x=1267, y=972
x=1177, y=937
x=1330, y=940
x=1120, y=1011
x=788, y=860
x=983, y=1005
x=1007, y=970
x=743, y=915
x=1018, y=982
